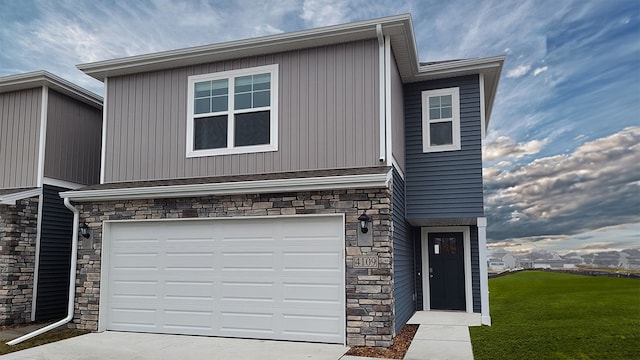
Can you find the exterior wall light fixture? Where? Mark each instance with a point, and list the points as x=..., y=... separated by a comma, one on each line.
x=364, y=219
x=84, y=230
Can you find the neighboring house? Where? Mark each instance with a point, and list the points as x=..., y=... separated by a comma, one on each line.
x=49, y=142
x=320, y=185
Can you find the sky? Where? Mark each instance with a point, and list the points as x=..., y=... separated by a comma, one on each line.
x=562, y=154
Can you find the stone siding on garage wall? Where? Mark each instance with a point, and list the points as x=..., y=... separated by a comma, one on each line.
x=369, y=292
x=18, y=232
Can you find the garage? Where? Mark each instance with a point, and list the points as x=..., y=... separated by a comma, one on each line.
x=279, y=278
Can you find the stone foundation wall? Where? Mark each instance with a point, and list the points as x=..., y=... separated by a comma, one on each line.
x=18, y=232
x=369, y=292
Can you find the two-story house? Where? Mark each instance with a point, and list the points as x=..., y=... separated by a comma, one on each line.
x=321, y=185
x=49, y=142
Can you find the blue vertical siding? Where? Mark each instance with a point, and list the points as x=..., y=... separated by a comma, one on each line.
x=52, y=295
x=403, y=264
x=444, y=184
x=475, y=269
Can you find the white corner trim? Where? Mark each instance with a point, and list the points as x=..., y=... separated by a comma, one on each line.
x=483, y=124
x=61, y=183
x=103, y=148
x=10, y=199
x=387, y=98
x=238, y=187
x=466, y=240
x=484, y=276
x=381, y=94
x=396, y=166
x=43, y=134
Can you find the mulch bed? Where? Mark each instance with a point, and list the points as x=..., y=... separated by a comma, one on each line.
x=400, y=346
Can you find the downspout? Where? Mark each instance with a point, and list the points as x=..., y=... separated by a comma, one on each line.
x=72, y=281
x=382, y=88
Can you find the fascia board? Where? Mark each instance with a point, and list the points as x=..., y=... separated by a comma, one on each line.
x=242, y=48
x=44, y=78
x=10, y=199
x=230, y=188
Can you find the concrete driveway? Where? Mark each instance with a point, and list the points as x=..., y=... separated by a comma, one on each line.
x=136, y=346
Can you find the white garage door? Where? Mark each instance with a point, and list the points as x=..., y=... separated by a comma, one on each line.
x=269, y=278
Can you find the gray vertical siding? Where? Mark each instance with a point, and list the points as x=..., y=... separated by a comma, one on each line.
x=403, y=256
x=444, y=184
x=328, y=101
x=73, y=140
x=19, y=138
x=397, y=117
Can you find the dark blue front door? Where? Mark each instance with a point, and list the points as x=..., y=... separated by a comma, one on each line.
x=446, y=271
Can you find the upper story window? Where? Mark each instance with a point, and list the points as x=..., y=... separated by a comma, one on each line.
x=233, y=112
x=441, y=120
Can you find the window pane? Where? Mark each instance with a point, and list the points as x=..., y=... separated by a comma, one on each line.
x=202, y=106
x=441, y=133
x=445, y=100
x=243, y=101
x=434, y=102
x=220, y=87
x=261, y=98
x=210, y=132
x=261, y=82
x=202, y=89
x=243, y=84
x=219, y=103
x=445, y=112
x=252, y=128
x=434, y=114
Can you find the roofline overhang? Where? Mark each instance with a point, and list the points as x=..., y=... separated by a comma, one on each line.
x=10, y=199
x=41, y=78
x=236, y=187
x=321, y=36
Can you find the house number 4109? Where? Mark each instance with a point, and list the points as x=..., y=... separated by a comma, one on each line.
x=365, y=262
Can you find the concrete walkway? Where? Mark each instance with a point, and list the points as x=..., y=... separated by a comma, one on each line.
x=442, y=335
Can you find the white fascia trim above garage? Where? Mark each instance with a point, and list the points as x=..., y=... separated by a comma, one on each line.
x=238, y=187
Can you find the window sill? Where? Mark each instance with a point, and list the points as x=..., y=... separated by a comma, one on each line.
x=227, y=151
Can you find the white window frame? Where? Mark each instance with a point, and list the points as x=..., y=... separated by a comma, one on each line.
x=230, y=76
x=455, y=119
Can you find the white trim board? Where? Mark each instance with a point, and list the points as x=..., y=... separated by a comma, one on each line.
x=466, y=239
x=10, y=199
x=61, y=183
x=238, y=187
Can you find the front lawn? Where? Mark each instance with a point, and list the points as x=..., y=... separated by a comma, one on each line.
x=543, y=315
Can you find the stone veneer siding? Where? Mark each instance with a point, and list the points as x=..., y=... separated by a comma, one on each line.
x=18, y=232
x=369, y=292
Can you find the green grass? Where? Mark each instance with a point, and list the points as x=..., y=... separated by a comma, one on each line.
x=541, y=315
x=48, y=337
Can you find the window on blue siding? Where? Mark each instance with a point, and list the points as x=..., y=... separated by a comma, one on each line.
x=233, y=112
x=441, y=120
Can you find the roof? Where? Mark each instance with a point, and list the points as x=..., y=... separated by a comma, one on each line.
x=398, y=29
x=41, y=78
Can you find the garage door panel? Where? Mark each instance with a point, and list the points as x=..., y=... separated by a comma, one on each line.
x=257, y=278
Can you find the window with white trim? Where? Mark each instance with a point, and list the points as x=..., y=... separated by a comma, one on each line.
x=233, y=112
x=441, y=120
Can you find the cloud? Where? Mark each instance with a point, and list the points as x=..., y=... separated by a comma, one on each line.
x=519, y=71
x=595, y=186
x=504, y=147
x=540, y=70
x=323, y=12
